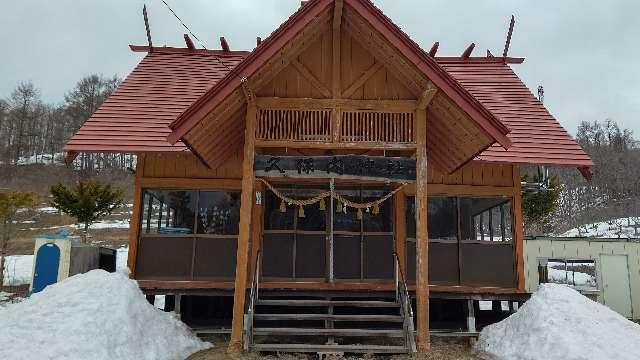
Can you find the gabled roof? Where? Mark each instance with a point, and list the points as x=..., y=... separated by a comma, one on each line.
x=169, y=81
x=287, y=31
x=136, y=117
x=536, y=136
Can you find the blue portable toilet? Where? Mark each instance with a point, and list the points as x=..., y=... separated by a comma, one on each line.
x=56, y=257
x=47, y=264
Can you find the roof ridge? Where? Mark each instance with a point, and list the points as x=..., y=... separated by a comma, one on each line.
x=176, y=50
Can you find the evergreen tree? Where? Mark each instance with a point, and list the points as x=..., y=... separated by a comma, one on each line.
x=88, y=201
x=539, y=205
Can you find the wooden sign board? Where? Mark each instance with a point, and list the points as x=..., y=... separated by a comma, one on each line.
x=401, y=169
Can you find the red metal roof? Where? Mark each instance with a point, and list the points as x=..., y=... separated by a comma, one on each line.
x=537, y=137
x=137, y=115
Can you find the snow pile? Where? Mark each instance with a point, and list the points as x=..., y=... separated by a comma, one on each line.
x=97, y=315
x=559, y=323
x=625, y=228
x=18, y=269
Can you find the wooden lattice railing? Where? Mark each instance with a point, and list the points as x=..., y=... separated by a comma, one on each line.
x=335, y=122
x=365, y=126
x=294, y=125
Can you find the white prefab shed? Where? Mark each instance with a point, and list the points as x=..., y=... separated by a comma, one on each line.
x=605, y=269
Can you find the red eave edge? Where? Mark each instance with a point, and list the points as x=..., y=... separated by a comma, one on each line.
x=412, y=51
x=485, y=119
x=268, y=48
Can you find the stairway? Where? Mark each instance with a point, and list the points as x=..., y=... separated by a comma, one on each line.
x=315, y=323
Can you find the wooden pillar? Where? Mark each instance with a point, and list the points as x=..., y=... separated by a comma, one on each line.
x=400, y=229
x=518, y=231
x=422, y=240
x=422, y=234
x=256, y=229
x=246, y=206
x=134, y=228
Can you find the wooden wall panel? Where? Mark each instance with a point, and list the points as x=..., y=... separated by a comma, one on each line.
x=356, y=61
x=474, y=173
x=188, y=166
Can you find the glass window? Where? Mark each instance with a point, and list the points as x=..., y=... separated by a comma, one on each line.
x=168, y=211
x=274, y=218
x=346, y=220
x=577, y=273
x=442, y=217
x=314, y=219
x=410, y=215
x=487, y=219
x=218, y=212
x=382, y=221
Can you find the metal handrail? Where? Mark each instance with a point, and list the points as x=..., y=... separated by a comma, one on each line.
x=253, y=298
x=403, y=297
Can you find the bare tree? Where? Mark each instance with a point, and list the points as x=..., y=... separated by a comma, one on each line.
x=83, y=100
x=23, y=103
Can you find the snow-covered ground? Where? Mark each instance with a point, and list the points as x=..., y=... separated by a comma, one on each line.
x=575, y=278
x=103, y=224
x=17, y=269
x=97, y=315
x=46, y=159
x=558, y=323
x=615, y=228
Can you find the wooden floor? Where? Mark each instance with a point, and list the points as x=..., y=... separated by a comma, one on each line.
x=435, y=291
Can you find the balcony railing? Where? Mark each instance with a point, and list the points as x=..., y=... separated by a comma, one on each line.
x=335, y=123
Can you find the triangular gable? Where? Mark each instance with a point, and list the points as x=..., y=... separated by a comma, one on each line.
x=297, y=23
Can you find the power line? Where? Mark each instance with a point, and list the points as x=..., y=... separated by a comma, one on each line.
x=194, y=35
x=183, y=24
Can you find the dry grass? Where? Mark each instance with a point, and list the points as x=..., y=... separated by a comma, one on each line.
x=44, y=223
x=440, y=350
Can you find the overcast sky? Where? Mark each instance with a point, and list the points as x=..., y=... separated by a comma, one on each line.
x=584, y=53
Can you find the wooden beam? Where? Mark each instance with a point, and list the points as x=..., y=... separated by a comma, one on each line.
x=189, y=183
x=362, y=79
x=335, y=32
x=435, y=291
x=188, y=42
x=134, y=228
x=426, y=97
x=276, y=103
x=422, y=237
x=400, y=229
x=246, y=206
x=360, y=31
x=335, y=145
x=224, y=44
x=302, y=70
x=463, y=189
x=467, y=52
x=434, y=49
x=507, y=43
x=146, y=26
x=518, y=232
